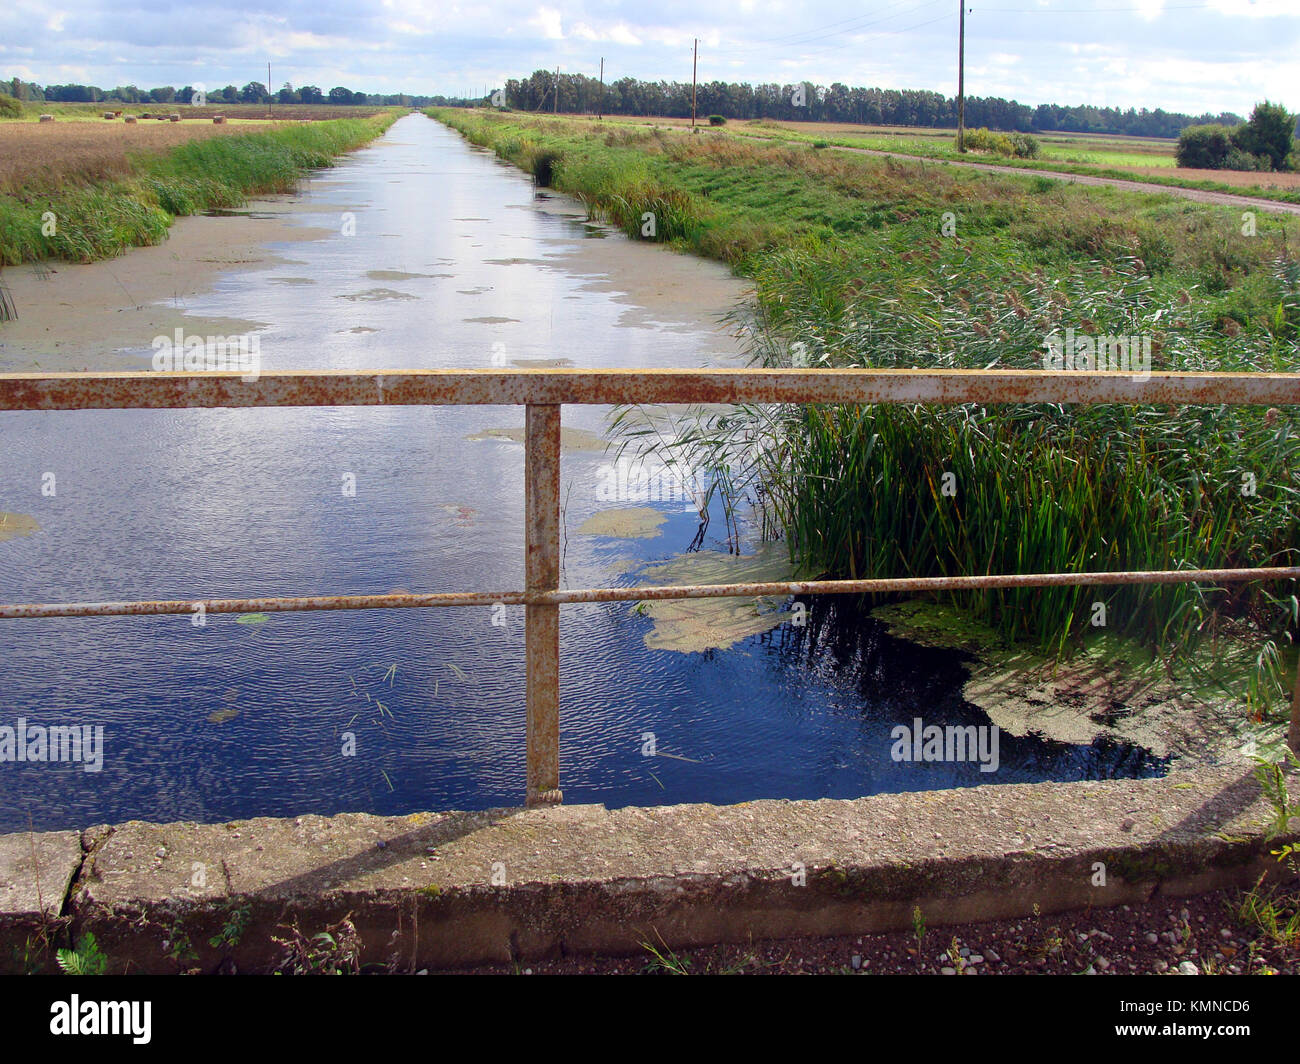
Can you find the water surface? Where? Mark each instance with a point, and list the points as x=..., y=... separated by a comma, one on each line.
x=441, y=257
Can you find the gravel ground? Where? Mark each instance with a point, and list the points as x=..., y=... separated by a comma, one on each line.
x=1201, y=935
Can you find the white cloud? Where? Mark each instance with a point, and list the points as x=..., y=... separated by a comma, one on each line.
x=547, y=20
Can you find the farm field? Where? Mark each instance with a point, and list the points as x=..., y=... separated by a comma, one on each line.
x=248, y=112
x=1134, y=158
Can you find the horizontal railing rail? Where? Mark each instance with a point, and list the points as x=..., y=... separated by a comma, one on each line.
x=543, y=392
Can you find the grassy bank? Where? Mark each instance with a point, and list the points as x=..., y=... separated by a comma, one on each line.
x=82, y=200
x=853, y=268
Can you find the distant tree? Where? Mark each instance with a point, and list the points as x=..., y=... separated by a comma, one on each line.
x=253, y=92
x=341, y=96
x=1270, y=133
x=165, y=94
x=286, y=94
x=310, y=94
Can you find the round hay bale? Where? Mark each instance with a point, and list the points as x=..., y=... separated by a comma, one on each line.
x=218, y=120
x=108, y=115
x=47, y=118
x=173, y=118
x=129, y=120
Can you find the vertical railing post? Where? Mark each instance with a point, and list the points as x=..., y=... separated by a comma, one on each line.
x=542, y=573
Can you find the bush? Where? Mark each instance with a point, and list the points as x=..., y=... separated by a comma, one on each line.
x=717, y=120
x=1204, y=147
x=1026, y=147
x=1020, y=145
x=543, y=167
x=9, y=107
x=1243, y=160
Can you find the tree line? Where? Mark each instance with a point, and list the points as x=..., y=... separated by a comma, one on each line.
x=578, y=93
x=253, y=92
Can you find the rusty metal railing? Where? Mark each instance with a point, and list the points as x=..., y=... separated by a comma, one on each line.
x=542, y=393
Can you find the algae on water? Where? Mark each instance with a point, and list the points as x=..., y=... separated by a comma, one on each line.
x=570, y=439
x=631, y=522
x=694, y=625
x=1111, y=688
x=12, y=526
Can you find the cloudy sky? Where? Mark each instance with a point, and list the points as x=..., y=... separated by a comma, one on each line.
x=1182, y=55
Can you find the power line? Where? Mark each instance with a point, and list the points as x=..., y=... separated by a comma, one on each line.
x=1090, y=10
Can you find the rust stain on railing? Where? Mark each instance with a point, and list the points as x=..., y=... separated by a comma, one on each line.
x=522, y=387
x=542, y=393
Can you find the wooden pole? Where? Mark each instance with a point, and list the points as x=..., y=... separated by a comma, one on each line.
x=961, y=78
x=555, y=107
x=600, y=100
x=695, y=60
x=268, y=88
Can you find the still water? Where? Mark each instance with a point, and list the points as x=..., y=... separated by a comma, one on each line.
x=450, y=259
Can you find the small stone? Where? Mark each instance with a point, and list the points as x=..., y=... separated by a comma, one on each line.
x=1224, y=933
x=964, y=951
x=423, y=971
x=161, y=851
x=977, y=958
x=1188, y=968
x=856, y=961
x=1083, y=938
x=1160, y=965
x=528, y=971
x=1152, y=938
x=947, y=971
x=1102, y=963
x=991, y=956
x=1127, y=824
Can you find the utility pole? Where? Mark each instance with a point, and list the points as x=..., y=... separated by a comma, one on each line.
x=961, y=79
x=695, y=61
x=600, y=100
x=268, y=88
x=555, y=109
